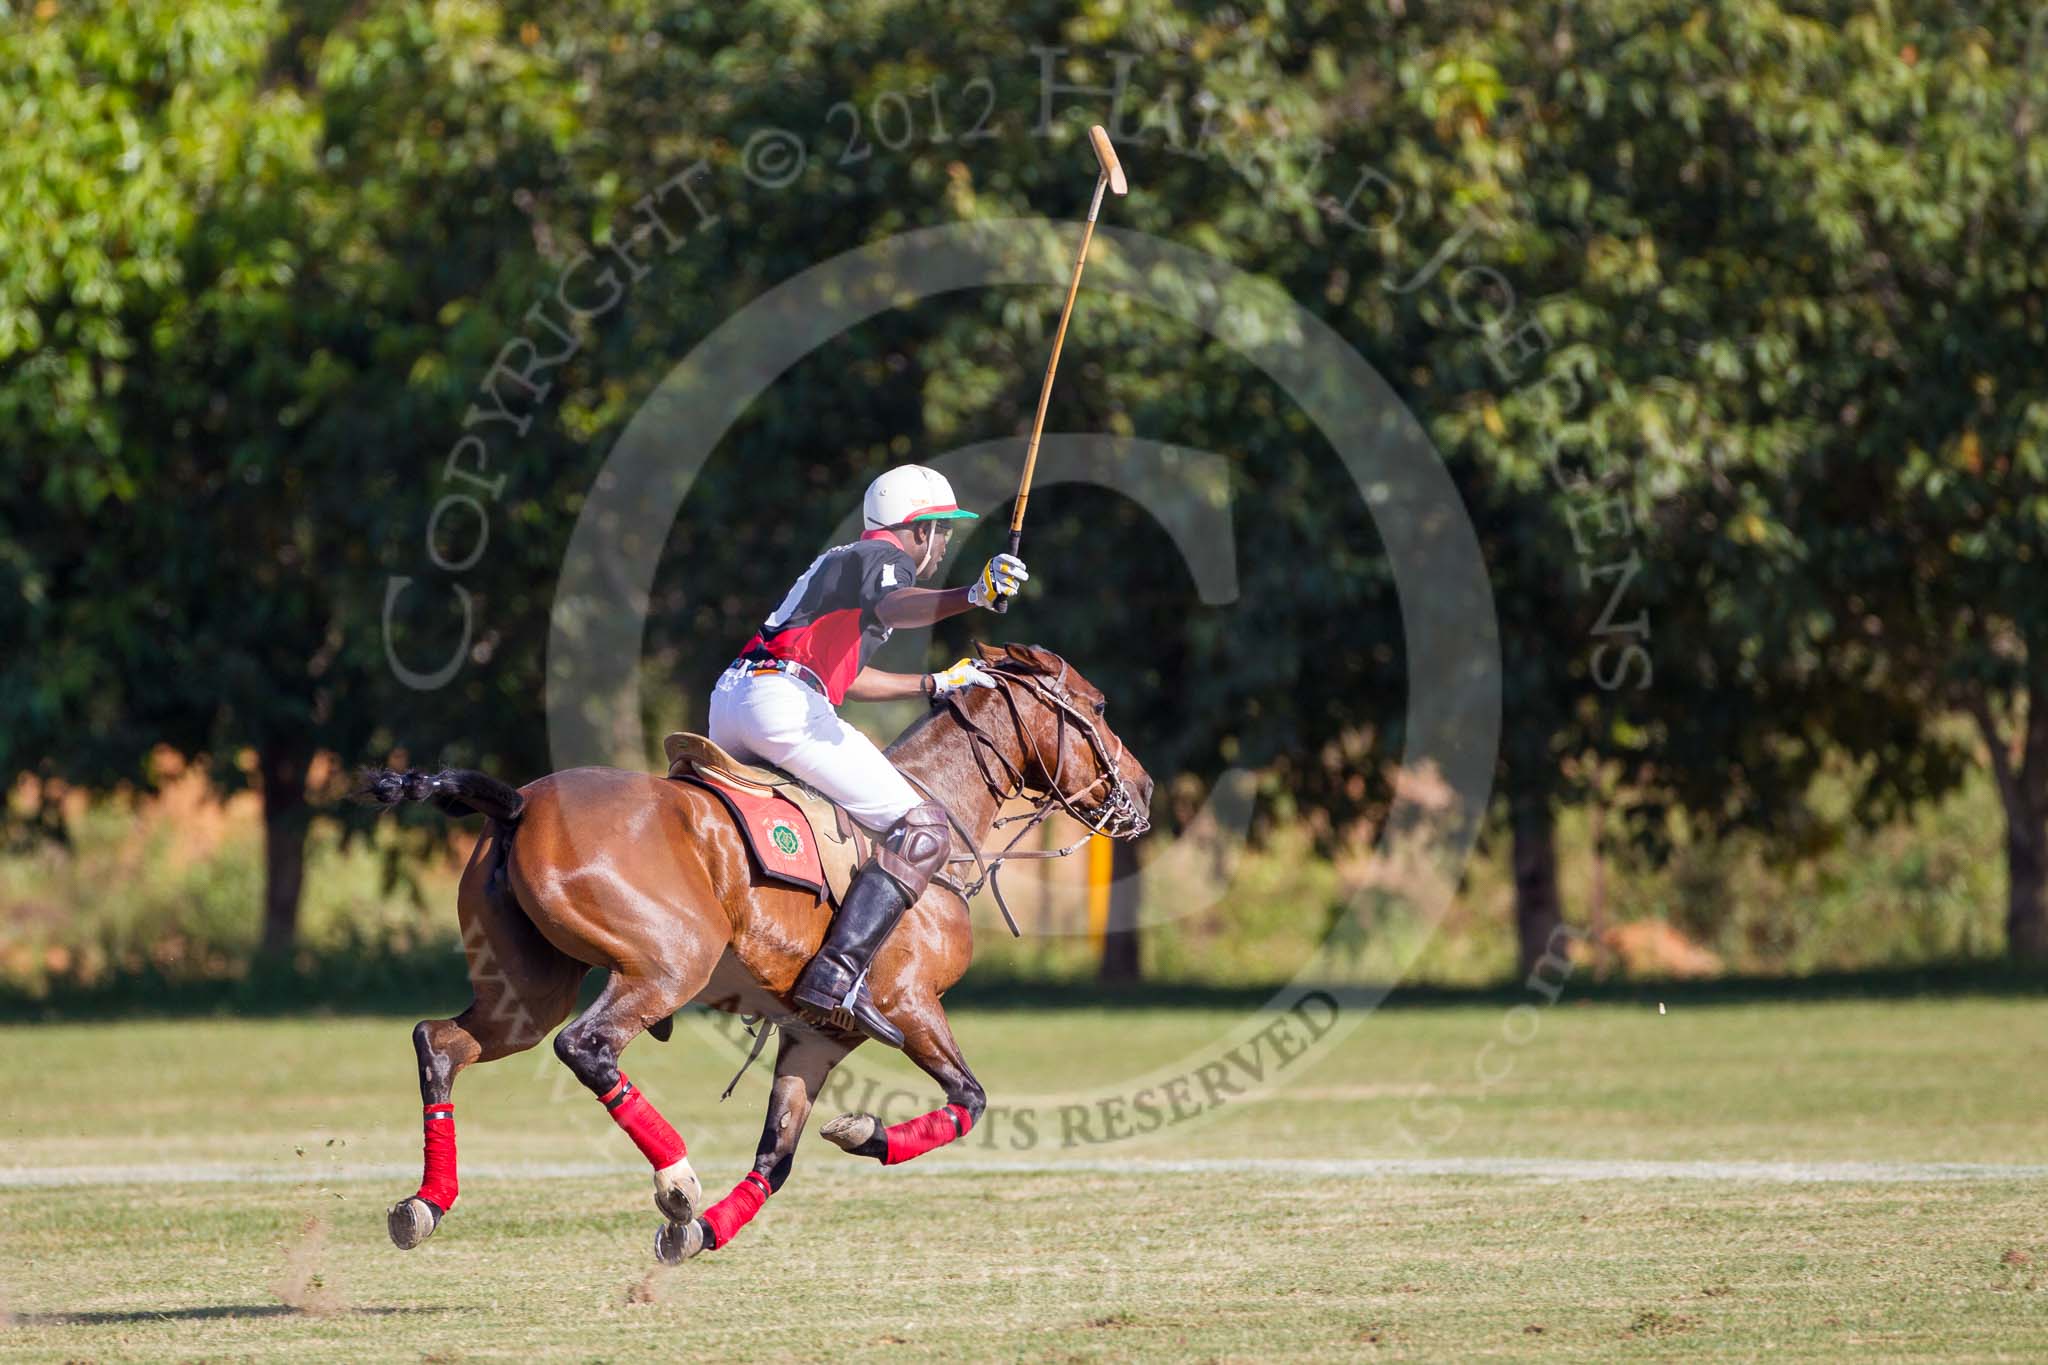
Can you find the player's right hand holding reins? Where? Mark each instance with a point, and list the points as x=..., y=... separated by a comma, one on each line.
x=1000, y=579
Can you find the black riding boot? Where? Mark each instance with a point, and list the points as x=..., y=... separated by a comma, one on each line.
x=834, y=983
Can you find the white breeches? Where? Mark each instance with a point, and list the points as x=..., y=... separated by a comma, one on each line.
x=775, y=719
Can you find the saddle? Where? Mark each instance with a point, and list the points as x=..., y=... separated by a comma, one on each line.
x=797, y=837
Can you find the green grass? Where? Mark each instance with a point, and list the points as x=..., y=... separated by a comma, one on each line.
x=946, y=1258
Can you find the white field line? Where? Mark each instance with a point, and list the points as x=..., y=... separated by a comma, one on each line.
x=1544, y=1169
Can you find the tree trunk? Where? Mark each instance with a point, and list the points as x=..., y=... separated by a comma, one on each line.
x=285, y=820
x=2026, y=828
x=2026, y=892
x=2021, y=771
x=1596, y=894
x=1539, y=910
x=1120, y=941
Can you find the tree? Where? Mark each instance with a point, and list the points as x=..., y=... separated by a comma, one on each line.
x=1902, y=156
x=1546, y=250
x=223, y=402
x=1680, y=294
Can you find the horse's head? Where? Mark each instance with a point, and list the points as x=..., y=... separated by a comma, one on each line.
x=1065, y=748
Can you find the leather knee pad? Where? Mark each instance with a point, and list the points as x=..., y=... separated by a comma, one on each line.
x=915, y=848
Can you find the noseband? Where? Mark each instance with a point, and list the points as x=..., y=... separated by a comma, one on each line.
x=1118, y=814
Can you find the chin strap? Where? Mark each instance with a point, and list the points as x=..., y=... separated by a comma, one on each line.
x=930, y=558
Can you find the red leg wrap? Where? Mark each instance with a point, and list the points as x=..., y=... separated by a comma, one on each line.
x=737, y=1209
x=650, y=1132
x=925, y=1132
x=437, y=1186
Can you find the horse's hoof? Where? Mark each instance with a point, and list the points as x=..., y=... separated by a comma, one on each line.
x=860, y=1134
x=677, y=1193
x=411, y=1221
x=675, y=1243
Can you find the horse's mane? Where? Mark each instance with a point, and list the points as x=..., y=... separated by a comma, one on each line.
x=995, y=659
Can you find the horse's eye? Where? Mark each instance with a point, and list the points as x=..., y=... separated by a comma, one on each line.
x=1101, y=707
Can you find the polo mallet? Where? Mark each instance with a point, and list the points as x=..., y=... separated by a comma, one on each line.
x=1110, y=176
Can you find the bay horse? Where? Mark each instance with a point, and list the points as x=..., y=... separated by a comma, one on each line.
x=648, y=879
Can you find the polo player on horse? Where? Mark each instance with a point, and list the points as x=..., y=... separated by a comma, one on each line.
x=776, y=704
x=564, y=876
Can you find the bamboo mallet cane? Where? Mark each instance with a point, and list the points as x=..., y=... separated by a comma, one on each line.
x=1110, y=176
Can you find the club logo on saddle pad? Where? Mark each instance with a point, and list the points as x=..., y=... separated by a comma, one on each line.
x=784, y=836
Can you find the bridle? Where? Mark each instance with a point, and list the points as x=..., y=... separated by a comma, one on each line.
x=1118, y=814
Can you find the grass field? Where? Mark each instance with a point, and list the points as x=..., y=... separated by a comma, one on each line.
x=216, y=1189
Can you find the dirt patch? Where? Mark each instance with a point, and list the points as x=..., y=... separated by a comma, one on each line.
x=1655, y=1322
x=651, y=1287
x=1653, y=947
x=304, y=1284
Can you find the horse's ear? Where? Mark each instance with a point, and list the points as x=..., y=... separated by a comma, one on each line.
x=1021, y=658
x=1034, y=658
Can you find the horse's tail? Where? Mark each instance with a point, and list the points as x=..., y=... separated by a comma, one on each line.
x=459, y=791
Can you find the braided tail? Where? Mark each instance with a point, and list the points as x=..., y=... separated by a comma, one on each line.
x=458, y=791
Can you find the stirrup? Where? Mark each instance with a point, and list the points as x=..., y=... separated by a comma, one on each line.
x=840, y=1016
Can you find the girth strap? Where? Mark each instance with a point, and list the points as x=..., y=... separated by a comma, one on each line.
x=760, y=1028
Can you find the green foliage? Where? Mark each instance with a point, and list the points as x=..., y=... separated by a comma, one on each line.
x=139, y=893
x=1920, y=890
x=1913, y=893
x=1725, y=319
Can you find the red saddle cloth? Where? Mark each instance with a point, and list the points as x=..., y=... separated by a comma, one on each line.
x=777, y=831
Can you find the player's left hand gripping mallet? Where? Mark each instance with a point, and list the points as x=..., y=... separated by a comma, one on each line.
x=1109, y=176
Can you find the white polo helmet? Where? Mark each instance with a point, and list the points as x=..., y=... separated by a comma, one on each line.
x=909, y=493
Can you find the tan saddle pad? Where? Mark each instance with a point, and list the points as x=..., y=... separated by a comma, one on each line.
x=747, y=791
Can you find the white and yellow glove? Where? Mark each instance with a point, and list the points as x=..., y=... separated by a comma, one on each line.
x=959, y=677
x=1000, y=578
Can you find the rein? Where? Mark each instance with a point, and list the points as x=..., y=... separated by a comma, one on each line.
x=1118, y=815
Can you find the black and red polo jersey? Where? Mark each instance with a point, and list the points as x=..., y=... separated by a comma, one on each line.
x=827, y=621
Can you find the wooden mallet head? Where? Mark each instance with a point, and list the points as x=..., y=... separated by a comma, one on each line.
x=1105, y=156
